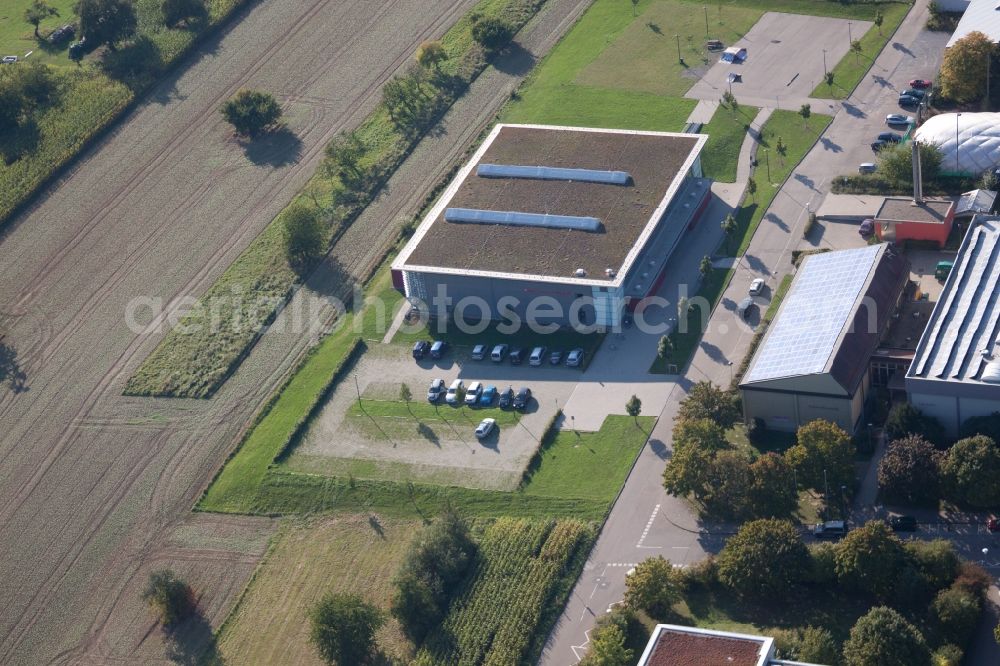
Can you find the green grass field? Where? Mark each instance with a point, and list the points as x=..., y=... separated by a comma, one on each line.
x=726, y=132
x=18, y=37
x=382, y=419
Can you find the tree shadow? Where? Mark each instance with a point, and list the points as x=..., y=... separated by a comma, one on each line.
x=805, y=180
x=428, y=433
x=755, y=263
x=853, y=111
x=192, y=642
x=774, y=219
x=903, y=49
x=515, y=60
x=10, y=370
x=23, y=140
x=659, y=449
x=376, y=526
x=275, y=149
x=830, y=145
x=135, y=65
x=655, y=28
x=713, y=352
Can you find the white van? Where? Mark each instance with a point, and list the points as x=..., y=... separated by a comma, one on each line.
x=537, y=356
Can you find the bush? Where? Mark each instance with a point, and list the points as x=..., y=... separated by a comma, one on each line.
x=905, y=419
x=957, y=614
x=251, y=112
x=707, y=401
x=909, y=472
x=764, y=558
x=610, y=638
x=653, y=587
x=970, y=472
x=491, y=33
x=342, y=628
x=818, y=646
x=305, y=235
x=948, y=655
x=435, y=565
x=882, y=636
x=973, y=578
x=175, y=11
x=869, y=559
x=936, y=562
x=170, y=597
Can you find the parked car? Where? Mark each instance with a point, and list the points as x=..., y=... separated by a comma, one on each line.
x=420, y=349
x=9, y=60
x=516, y=355
x=485, y=428
x=499, y=353
x=714, y=45
x=506, y=398
x=537, y=356
x=63, y=34
x=831, y=529
x=921, y=83
x=522, y=398
x=898, y=119
x=908, y=100
x=438, y=348
x=436, y=390
x=867, y=167
x=913, y=92
x=479, y=352
x=745, y=308
x=889, y=137
x=877, y=146
x=555, y=357
x=78, y=49
x=473, y=392
x=489, y=394
x=574, y=358
x=903, y=523
x=756, y=287
x=452, y=397
x=867, y=228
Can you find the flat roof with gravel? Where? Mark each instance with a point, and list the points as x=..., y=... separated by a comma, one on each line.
x=902, y=209
x=551, y=243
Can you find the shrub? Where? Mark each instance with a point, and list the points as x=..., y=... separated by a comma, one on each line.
x=936, y=561
x=701, y=575
x=653, y=587
x=909, y=471
x=305, y=236
x=342, y=628
x=970, y=472
x=882, y=636
x=707, y=401
x=948, y=655
x=973, y=578
x=251, y=112
x=818, y=646
x=823, y=563
x=175, y=11
x=957, y=614
x=170, y=597
x=764, y=558
x=905, y=419
x=491, y=33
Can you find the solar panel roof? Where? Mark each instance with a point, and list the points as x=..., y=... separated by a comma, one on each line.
x=821, y=304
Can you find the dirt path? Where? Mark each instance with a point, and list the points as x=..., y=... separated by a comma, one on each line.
x=94, y=487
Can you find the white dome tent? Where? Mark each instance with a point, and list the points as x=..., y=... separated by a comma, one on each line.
x=976, y=135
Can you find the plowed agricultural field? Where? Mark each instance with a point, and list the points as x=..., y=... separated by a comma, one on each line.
x=90, y=481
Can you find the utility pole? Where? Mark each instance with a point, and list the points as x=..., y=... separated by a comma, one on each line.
x=707, y=35
x=679, y=58
x=824, y=63
x=850, y=39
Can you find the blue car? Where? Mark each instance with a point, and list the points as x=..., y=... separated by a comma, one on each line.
x=486, y=399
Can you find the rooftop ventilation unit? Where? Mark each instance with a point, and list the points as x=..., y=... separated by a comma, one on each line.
x=515, y=219
x=553, y=173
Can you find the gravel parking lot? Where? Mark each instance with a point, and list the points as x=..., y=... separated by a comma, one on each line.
x=438, y=452
x=784, y=57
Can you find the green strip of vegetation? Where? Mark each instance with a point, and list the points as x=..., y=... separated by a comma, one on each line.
x=193, y=360
x=90, y=98
x=847, y=73
x=726, y=132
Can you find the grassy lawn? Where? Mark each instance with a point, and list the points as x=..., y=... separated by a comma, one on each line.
x=382, y=419
x=195, y=364
x=852, y=67
x=18, y=37
x=591, y=465
x=726, y=132
x=306, y=560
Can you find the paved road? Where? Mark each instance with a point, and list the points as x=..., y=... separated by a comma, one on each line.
x=95, y=488
x=645, y=521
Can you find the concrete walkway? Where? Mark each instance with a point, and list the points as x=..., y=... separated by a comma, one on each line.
x=703, y=111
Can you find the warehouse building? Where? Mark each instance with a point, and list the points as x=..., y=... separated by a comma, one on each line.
x=979, y=16
x=559, y=225
x=813, y=362
x=955, y=372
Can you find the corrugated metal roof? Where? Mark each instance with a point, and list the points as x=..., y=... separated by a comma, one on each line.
x=830, y=320
x=960, y=340
x=981, y=16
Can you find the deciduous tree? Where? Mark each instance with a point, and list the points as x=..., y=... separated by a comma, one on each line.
x=705, y=400
x=106, y=21
x=957, y=614
x=971, y=470
x=634, y=407
x=729, y=227
x=431, y=54
x=884, y=637
x=342, y=628
x=805, y=111
x=869, y=559
x=765, y=558
x=170, y=597
x=491, y=32
x=305, y=235
x=705, y=267
x=772, y=488
x=653, y=587
x=704, y=433
x=823, y=456
x=38, y=11
x=909, y=473
x=250, y=112
x=895, y=162
x=963, y=70
x=175, y=11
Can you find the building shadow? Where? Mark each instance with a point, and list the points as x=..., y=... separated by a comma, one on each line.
x=275, y=149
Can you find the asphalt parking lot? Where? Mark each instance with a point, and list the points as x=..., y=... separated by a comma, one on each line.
x=785, y=57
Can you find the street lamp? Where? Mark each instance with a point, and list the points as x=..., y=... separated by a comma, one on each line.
x=870, y=437
x=850, y=39
x=824, y=63
x=986, y=551
x=730, y=364
x=767, y=162
x=679, y=58
x=706, y=22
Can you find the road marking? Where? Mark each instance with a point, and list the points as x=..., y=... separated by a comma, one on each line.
x=583, y=646
x=649, y=524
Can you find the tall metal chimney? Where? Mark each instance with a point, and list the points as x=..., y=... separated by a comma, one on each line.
x=918, y=175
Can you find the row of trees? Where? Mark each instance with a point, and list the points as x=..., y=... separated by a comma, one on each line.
x=24, y=90
x=914, y=472
x=729, y=482
x=928, y=596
